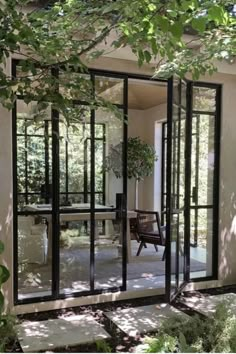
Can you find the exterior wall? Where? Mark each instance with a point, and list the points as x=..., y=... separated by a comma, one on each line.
x=227, y=187
x=6, y=202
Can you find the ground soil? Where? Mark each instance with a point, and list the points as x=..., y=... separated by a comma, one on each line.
x=120, y=342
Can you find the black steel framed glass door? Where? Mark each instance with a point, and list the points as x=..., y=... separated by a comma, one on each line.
x=192, y=183
x=177, y=250
x=69, y=211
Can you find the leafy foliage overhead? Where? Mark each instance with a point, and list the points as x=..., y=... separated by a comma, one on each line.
x=66, y=34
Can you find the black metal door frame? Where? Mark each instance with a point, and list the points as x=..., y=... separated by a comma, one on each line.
x=170, y=208
x=56, y=211
x=188, y=193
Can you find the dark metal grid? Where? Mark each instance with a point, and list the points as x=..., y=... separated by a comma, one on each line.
x=45, y=136
x=56, y=210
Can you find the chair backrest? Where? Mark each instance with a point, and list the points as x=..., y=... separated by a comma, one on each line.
x=148, y=222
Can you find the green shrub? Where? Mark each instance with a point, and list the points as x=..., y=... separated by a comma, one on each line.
x=215, y=334
x=103, y=347
x=7, y=331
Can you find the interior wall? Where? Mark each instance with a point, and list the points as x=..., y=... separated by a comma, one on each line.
x=142, y=123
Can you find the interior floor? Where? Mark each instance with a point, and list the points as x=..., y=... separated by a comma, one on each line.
x=146, y=271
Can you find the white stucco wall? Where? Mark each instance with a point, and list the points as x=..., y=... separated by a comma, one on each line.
x=6, y=202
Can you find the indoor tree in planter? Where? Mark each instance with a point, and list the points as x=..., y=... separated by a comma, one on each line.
x=141, y=158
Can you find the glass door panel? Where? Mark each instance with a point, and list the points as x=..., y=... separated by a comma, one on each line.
x=203, y=170
x=92, y=203
x=75, y=206
x=33, y=198
x=109, y=212
x=176, y=149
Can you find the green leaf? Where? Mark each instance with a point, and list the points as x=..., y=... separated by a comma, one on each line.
x=147, y=56
x=216, y=13
x=1, y=247
x=154, y=46
x=1, y=301
x=152, y=7
x=4, y=274
x=199, y=24
x=177, y=30
x=163, y=23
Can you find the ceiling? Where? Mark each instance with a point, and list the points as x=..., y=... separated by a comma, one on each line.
x=142, y=94
x=145, y=95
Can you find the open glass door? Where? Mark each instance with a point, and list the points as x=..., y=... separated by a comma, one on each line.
x=177, y=244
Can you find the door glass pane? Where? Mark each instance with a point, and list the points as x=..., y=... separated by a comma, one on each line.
x=202, y=182
x=108, y=222
x=204, y=99
x=206, y=159
x=178, y=186
x=74, y=252
x=202, y=230
x=110, y=89
x=75, y=213
x=34, y=244
x=174, y=193
x=34, y=164
x=34, y=256
x=75, y=86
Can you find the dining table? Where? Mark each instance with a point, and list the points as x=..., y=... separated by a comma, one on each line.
x=82, y=212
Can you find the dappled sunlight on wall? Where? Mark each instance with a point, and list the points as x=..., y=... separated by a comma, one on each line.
x=6, y=257
x=227, y=242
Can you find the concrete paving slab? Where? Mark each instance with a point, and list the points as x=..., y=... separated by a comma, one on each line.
x=58, y=333
x=144, y=319
x=206, y=305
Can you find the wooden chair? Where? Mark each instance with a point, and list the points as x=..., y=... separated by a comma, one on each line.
x=149, y=230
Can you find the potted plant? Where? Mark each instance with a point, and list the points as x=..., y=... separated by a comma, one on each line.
x=141, y=158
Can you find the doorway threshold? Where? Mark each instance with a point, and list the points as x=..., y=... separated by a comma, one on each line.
x=130, y=293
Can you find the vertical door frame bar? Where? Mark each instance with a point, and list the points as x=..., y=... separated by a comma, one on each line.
x=55, y=200
x=168, y=187
x=92, y=190
x=187, y=199
x=124, y=167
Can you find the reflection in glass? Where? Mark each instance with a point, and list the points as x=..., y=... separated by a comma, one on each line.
x=201, y=256
x=108, y=245
x=34, y=254
x=33, y=155
x=75, y=86
x=108, y=224
x=204, y=99
x=110, y=89
x=74, y=252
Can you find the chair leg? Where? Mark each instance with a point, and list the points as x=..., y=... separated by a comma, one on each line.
x=164, y=255
x=156, y=248
x=145, y=245
x=140, y=248
x=136, y=237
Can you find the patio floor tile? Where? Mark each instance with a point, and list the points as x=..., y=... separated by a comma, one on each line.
x=207, y=305
x=144, y=319
x=58, y=333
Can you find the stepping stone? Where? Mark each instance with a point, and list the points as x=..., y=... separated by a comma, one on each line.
x=58, y=333
x=144, y=319
x=206, y=305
